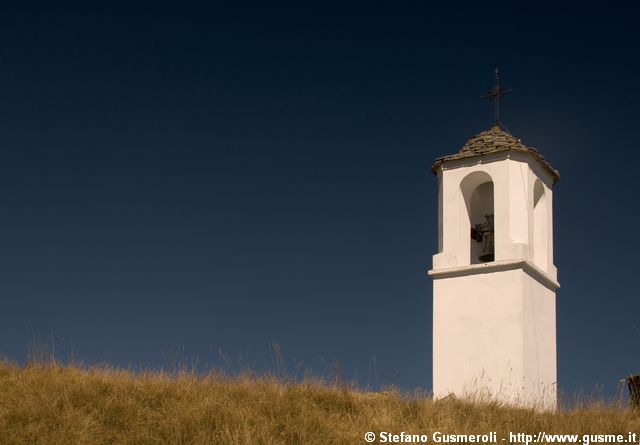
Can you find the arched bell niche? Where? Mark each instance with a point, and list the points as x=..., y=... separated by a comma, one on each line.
x=540, y=240
x=477, y=192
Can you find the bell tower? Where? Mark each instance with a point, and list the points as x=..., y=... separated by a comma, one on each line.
x=494, y=281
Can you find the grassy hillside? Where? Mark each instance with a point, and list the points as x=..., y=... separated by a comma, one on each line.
x=68, y=405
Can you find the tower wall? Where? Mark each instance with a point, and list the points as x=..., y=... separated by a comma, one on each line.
x=494, y=336
x=540, y=355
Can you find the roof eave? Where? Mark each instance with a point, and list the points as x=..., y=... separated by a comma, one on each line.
x=555, y=174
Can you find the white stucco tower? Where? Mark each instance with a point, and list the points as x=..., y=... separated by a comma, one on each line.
x=494, y=281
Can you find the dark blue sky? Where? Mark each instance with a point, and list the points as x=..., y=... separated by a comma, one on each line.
x=200, y=178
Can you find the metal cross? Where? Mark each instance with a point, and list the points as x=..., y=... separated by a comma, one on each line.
x=494, y=95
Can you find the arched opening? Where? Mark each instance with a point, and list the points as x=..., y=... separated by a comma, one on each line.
x=539, y=226
x=477, y=190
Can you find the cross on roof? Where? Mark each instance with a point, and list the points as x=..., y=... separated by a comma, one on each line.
x=494, y=95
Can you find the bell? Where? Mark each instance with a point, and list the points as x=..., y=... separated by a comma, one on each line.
x=488, y=252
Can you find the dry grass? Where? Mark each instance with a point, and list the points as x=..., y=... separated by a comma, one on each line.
x=57, y=404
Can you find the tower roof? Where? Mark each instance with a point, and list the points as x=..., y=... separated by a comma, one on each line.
x=495, y=140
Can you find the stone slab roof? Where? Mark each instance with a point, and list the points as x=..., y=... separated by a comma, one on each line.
x=495, y=140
